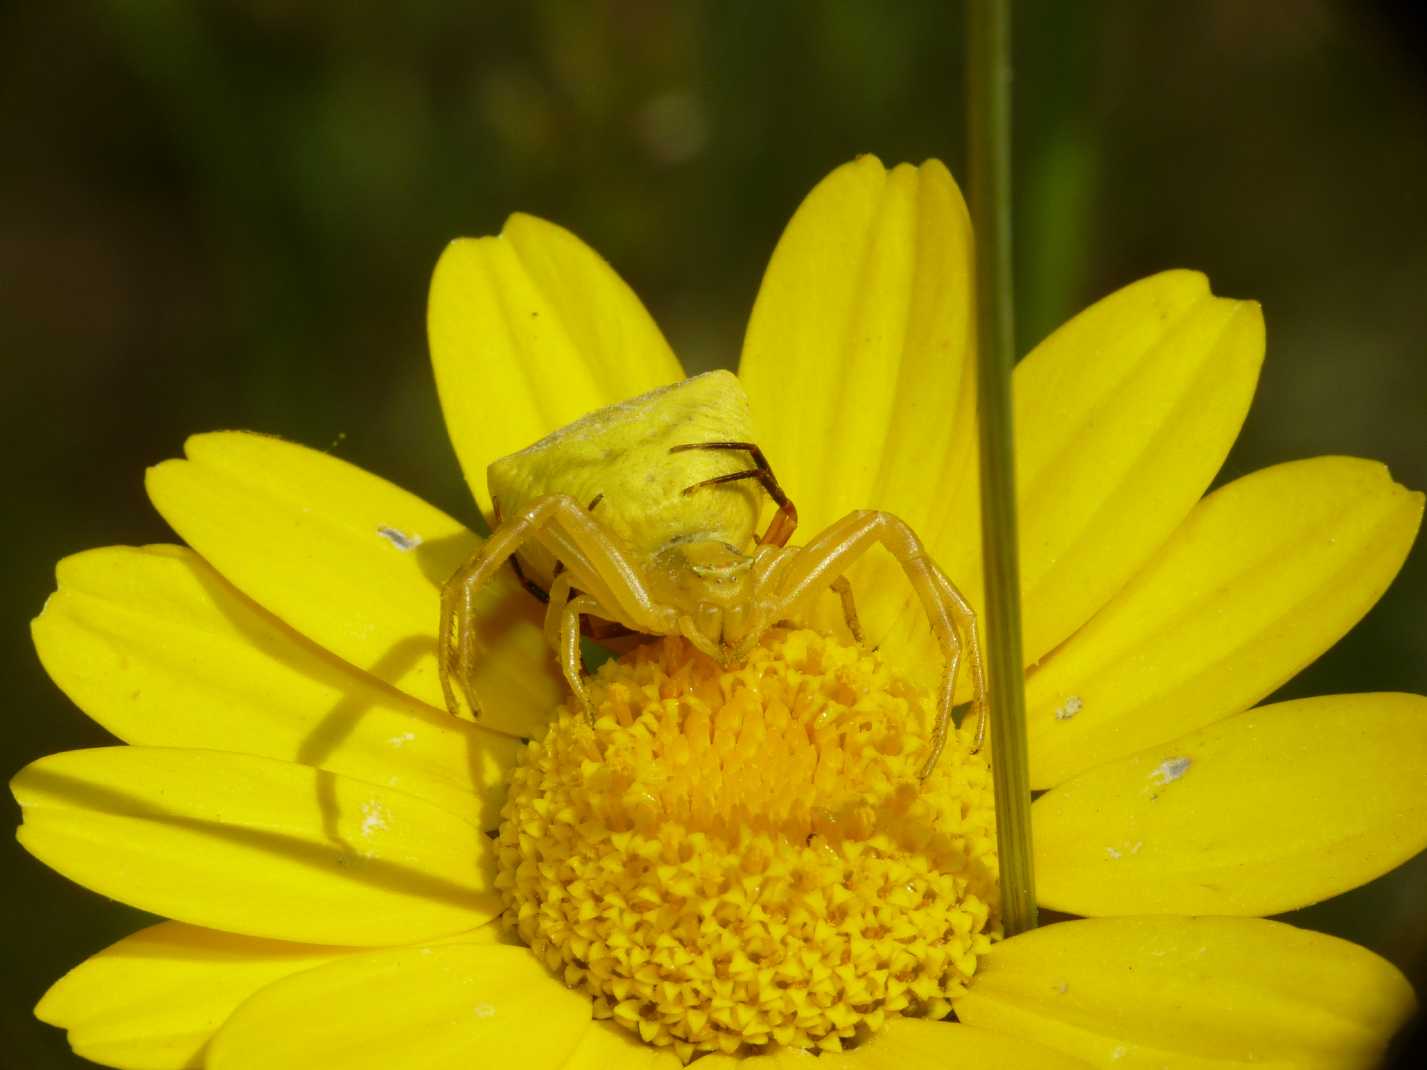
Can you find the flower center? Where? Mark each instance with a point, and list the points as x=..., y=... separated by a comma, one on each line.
x=735, y=858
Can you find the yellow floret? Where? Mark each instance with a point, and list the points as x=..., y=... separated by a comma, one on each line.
x=733, y=858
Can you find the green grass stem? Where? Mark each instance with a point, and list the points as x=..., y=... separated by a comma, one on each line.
x=989, y=129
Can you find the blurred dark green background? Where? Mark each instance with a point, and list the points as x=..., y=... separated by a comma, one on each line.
x=225, y=215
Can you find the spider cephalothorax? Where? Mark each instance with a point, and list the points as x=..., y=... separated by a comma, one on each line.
x=644, y=514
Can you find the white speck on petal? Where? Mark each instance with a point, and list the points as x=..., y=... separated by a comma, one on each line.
x=1069, y=708
x=1061, y=988
x=400, y=539
x=1119, y=1053
x=483, y=1010
x=1124, y=849
x=1169, y=770
x=401, y=740
x=374, y=818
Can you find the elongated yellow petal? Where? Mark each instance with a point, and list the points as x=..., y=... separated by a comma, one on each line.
x=256, y=846
x=772, y=1058
x=858, y=357
x=1191, y=992
x=918, y=1044
x=1122, y=416
x=159, y=649
x=454, y=1007
x=529, y=331
x=913, y=1044
x=605, y=1045
x=1264, y=812
x=155, y=998
x=355, y=564
x=1263, y=576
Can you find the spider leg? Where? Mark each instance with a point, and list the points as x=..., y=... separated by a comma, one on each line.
x=595, y=562
x=539, y=593
x=843, y=589
x=571, y=663
x=536, y=591
x=785, y=521
x=827, y=558
x=560, y=595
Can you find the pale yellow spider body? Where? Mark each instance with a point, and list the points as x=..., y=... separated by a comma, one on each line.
x=620, y=456
x=643, y=514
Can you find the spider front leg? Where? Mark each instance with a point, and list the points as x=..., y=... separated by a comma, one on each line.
x=770, y=568
x=597, y=565
x=823, y=561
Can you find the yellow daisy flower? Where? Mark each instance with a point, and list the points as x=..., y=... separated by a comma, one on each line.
x=741, y=862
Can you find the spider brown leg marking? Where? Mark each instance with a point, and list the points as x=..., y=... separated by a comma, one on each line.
x=598, y=565
x=843, y=589
x=953, y=622
x=785, y=521
x=540, y=593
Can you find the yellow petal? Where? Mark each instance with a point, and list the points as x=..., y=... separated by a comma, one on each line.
x=1263, y=576
x=912, y=1044
x=1122, y=418
x=605, y=1045
x=858, y=358
x=353, y=563
x=1264, y=812
x=775, y=1058
x=454, y=1007
x=529, y=331
x=156, y=647
x=155, y=999
x=1191, y=992
x=917, y=1044
x=256, y=846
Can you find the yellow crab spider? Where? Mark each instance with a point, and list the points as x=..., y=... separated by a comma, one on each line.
x=643, y=514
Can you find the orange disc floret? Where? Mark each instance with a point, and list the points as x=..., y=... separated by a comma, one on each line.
x=732, y=858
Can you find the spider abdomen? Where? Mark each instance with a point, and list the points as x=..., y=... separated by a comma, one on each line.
x=617, y=460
